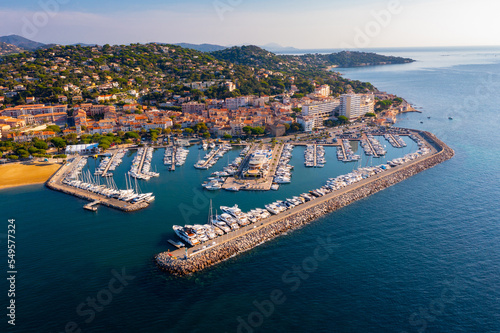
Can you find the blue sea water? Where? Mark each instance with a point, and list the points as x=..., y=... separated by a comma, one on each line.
x=421, y=256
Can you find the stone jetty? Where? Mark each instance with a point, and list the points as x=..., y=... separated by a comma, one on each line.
x=180, y=265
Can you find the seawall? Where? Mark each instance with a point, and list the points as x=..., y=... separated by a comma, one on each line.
x=296, y=219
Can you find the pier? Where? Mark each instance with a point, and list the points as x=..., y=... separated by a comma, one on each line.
x=104, y=173
x=395, y=142
x=211, y=156
x=55, y=183
x=141, y=163
x=246, y=238
x=92, y=206
x=374, y=152
x=315, y=150
x=344, y=155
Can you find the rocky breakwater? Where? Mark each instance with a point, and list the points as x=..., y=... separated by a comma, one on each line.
x=321, y=206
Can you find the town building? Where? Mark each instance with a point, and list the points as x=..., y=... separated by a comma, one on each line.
x=350, y=106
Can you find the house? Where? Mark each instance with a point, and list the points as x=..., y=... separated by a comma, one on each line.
x=104, y=98
x=12, y=122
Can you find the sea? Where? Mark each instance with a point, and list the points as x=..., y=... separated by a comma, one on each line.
x=420, y=256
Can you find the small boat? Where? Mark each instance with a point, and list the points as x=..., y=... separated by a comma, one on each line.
x=450, y=118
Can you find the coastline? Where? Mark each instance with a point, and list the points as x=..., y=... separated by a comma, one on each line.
x=6, y=187
x=301, y=216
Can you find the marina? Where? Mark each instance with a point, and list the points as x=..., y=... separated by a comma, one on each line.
x=338, y=193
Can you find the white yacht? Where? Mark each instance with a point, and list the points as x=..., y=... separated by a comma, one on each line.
x=186, y=234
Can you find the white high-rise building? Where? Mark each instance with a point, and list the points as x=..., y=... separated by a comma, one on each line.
x=354, y=106
x=350, y=106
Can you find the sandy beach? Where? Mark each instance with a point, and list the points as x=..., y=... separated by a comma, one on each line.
x=19, y=174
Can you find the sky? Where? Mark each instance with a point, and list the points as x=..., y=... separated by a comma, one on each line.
x=313, y=24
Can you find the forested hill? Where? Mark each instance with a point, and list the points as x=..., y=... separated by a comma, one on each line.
x=350, y=59
x=257, y=57
x=159, y=72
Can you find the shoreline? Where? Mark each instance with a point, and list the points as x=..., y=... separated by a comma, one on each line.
x=6, y=187
x=301, y=216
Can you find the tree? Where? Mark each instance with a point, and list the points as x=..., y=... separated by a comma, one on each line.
x=132, y=135
x=385, y=104
x=41, y=145
x=58, y=143
x=247, y=130
x=188, y=131
x=370, y=114
x=227, y=136
x=206, y=135
x=153, y=134
x=258, y=130
x=54, y=128
x=343, y=120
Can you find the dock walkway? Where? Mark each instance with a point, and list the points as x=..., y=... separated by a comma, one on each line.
x=211, y=156
x=374, y=152
x=104, y=173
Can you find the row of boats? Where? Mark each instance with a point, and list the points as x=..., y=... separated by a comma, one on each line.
x=283, y=173
x=83, y=180
x=423, y=150
x=115, y=162
x=419, y=141
x=144, y=155
x=372, y=146
x=175, y=156
x=395, y=140
x=314, y=156
x=346, y=154
x=212, y=157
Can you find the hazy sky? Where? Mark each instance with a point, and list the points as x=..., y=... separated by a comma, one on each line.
x=302, y=24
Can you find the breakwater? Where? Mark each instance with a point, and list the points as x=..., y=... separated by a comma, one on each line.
x=180, y=265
